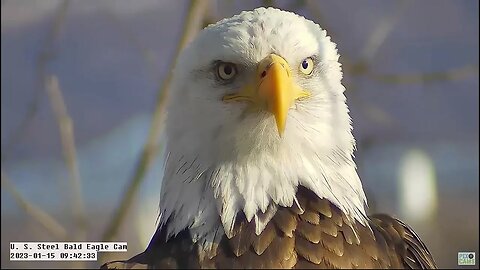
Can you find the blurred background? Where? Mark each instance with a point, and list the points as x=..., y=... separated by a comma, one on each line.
x=83, y=87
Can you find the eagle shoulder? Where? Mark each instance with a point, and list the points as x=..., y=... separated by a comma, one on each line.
x=404, y=242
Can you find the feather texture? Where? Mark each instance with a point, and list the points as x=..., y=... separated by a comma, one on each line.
x=389, y=244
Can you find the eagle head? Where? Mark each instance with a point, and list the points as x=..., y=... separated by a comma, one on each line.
x=256, y=109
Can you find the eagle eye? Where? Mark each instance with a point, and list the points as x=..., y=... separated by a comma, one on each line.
x=306, y=67
x=226, y=71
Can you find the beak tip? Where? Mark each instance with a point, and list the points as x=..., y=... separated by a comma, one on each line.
x=281, y=131
x=280, y=123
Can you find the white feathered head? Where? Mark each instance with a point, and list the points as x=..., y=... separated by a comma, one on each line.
x=256, y=109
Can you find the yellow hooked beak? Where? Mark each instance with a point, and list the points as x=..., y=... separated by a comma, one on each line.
x=273, y=90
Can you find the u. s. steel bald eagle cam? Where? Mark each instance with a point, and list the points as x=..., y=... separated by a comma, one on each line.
x=259, y=171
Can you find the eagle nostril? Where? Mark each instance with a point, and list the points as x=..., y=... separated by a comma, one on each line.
x=264, y=73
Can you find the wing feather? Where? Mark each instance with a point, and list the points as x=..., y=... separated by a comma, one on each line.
x=408, y=245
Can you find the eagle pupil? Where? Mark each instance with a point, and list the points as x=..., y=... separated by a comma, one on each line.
x=305, y=64
x=227, y=70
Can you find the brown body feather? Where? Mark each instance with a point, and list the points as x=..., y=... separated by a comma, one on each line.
x=321, y=236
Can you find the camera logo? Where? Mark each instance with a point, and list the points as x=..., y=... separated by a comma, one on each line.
x=466, y=258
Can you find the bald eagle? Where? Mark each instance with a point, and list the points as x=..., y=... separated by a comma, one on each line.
x=260, y=171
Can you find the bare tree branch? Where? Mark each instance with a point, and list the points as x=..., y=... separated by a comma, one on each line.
x=194, y=19
x=383, y=28
x=295, y=5
x=35, y=212
x=42, y=60
x=67, y=137
x=268, y=3
x=315, y=10
x=447, y=75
